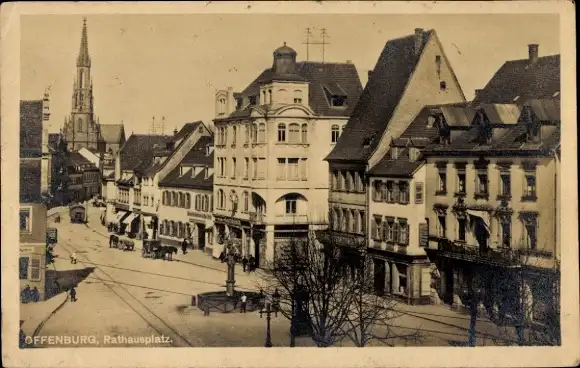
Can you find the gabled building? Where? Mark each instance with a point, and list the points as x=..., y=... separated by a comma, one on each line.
x=411, y=72
x=492, y=188
x=187, y=200
x=270, y=144
x=34, y=185
x=84, y=176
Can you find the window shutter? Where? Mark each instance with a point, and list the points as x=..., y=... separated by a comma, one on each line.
x=418, y=193
x=35, y=269
x=374, y=229
x=395, y=191
x=423, y=234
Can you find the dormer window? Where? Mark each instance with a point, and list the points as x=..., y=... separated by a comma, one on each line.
x=239, y=103
x=413, y=153
x=297, y=96
x=337, y=97
x=367, y=141
x=430, y=121
x=253, y=100
x=208, y=149
x=394, y=153
x=338, y=101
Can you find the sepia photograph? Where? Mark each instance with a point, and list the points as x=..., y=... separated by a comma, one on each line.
x=289, y=179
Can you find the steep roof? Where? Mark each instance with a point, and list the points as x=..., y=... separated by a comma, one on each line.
x=112, y=133
x=343, y=75
x=77, y=159
x=381, y=95
x=195, y=157
x=138, y=150
x=31, y=128
x=538, y=80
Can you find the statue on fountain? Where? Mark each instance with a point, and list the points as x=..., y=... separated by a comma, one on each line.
x=231, y=256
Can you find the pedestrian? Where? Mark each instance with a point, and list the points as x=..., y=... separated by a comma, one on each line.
x=73, y=294
x=35, y=295
x=184, y=246
x=244, y=263
x=252, y=263
x=243, y=299
x=222, y=256
x=73, y=258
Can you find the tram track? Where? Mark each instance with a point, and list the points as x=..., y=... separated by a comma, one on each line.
x=143, y=311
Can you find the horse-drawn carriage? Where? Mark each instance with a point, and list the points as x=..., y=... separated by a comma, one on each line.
x=78, y=213
x=121, y=242
x=152, y=248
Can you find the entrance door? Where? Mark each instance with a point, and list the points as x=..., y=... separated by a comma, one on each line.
x=201, y=236
x=379, y=274
x=481, y=233
x=258, y=247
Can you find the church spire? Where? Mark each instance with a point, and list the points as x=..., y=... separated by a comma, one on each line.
x=84, y=59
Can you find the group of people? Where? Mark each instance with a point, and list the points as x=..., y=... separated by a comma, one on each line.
x=248, y=264
x=28, y=295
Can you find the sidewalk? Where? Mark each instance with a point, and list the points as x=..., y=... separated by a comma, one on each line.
x=35, y=315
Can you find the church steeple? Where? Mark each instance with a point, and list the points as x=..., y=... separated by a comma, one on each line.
x=84, y=58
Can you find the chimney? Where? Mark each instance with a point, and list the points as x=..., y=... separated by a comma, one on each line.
x=533, y=52
x=418, y=40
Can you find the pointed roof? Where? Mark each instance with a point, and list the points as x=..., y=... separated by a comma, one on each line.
x=83, y=58
x=112, y=133
x=379, y=99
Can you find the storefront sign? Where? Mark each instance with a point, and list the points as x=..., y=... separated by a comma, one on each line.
x=26, y=249
x=199, y=215
x=229, y=221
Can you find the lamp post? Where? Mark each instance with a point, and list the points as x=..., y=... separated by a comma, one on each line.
x=267, y=309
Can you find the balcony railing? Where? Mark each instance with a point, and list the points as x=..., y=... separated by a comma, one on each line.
x=497, y=256
x=342, y=239
x=257, y=217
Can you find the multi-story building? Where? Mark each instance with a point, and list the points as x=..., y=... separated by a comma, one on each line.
x=59, y=169
x=492, y=185
x=187, y=200
x=34, y=183
x=411, y=72
x=270, y=144
x=84, y=177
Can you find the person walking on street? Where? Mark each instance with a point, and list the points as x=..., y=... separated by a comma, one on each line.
x=244, y=263
x=243, y=299
x=73, y=258
x=73, y=294
x=252, y=265
x=184, y=246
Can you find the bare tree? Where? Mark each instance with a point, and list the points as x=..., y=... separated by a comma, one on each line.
x=314, y=283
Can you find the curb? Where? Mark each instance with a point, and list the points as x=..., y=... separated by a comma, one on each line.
x=44, y=320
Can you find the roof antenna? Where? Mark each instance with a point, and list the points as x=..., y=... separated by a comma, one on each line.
x=307, y=43
x=324, y=35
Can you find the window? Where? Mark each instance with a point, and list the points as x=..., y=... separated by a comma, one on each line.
x=403, y=192
x=376, y=227
x=254, y=168
x=461, y=222
x=197, y=202
x=293, y=173
x=303, y=169
x=80, y=125
x=389, y=227
x=270, y=96
x=438, y=65
x=461, y=181
x=297, y=96
x=343, y=220
x=348, y=181
x=334, y=180
x=355, y=222
x=281, y=133
x=395, y=231
x=234, y=167
x=403, y=232
x=442, y=181
x=506, y=232
x=530, y=228
x=221, y=199
x=402, y=272
x=294, y=133
x=234, y=135
x=304, y=133
x=261, y=138
x=530, y=186
x=252, y=100
x=335, y=133
x=378, y=191
x=390, y=191
x=442, y=85
x=505, y=183
x=246, y=201
x=441, y=226
x=23, y=269
x=363, y=224
x=35, y=269
x=187, y=200
x=25, y=224
x=418, y=193
x=225, y=136
x=246, y=134
x=482, y=187
x=281, y=169
x=262, y=168
x=291, y=204
x=338, y=101
x=246, y=167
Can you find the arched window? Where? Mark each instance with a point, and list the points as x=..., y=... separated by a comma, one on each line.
x=355, y=221
x=206, y=203
x=247, y=134
x=234, y=200
x=281, y=133
x=187, y=200
x=297, y=96
x=246, y=202
x=235, y=133
x=174, y=201
x=262, y=133
x=294, y=136
x=270, y=96
x=255, y=133
x=335, y=133
x=344, y=222
x=221, y=199
x=197, y=205
x=163, y=198
x=304, y=132
x=79, y=125
x=181, y=204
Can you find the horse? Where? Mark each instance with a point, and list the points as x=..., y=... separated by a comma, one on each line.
x=113, y=241
x=168, y=251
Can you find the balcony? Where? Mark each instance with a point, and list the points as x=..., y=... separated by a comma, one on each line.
x=350, y=240
x=505, y=257
x=257, y=217
x=291, y=219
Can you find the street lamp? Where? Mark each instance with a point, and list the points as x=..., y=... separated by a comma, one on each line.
x=267, y=309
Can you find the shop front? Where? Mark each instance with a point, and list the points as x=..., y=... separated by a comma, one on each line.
x=200, y=225
x=230, y=228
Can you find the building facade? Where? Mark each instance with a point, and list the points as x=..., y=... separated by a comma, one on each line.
x=187, y=200
x=270, y=143
x=418, y=74
x=34, y=184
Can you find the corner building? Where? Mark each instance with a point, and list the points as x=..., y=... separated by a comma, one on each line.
x=270, y=144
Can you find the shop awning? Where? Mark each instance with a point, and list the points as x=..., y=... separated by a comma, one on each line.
x=130, y=218
x=120, y=215
x=484, y=215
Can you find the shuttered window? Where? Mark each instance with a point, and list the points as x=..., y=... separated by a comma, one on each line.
x=35, y=269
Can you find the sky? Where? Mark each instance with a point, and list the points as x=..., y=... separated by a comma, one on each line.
x=171, y=65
